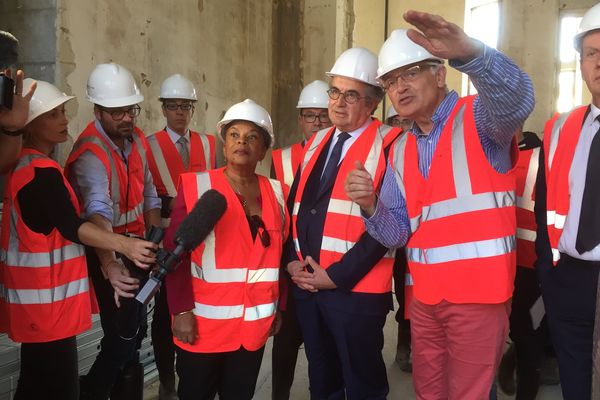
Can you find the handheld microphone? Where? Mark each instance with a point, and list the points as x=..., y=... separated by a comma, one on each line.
x=192, y=231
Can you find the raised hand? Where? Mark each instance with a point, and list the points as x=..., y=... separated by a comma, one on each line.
x=15, y=119
x=440, y=37
x=360, y=189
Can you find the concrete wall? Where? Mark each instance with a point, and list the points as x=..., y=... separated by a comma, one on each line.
x=529, y=35
x=223, y=47
x=33, y=22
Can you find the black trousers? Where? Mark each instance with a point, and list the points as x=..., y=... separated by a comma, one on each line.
x=569, y=292
x=400, y=269
x=49, y=371
x=162, y=339
x=231, y=374
x=285, y=350
x=529, y=343
x=115, y=351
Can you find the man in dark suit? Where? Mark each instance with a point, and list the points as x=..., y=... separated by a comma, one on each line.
x=568, y=233
x=342, y=275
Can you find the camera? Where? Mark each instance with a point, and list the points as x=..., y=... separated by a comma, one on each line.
x=7, y=90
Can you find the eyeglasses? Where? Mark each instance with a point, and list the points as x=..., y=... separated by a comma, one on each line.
x=590, y=54
x=175, y=106
x=323, y=117
x=118, y=115
x=407, y=76
x=263, y=234
x=350, y=96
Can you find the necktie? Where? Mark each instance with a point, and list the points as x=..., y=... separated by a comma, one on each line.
x=183, y=151
x=588, y=232
x=330, y=171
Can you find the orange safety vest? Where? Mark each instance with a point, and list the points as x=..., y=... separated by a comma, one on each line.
x=462, y=218
x=44, y=288
x=165, y=162
x=126, y=188
x=561, y=135
x=526, y=173
x=235, y=281
x=286, y=161
x=343, y=223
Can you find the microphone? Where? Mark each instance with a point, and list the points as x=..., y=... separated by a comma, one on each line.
x=192, y=231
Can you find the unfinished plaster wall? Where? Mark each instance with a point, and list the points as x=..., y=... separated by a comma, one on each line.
x=33, y=23
x=224, y=47
x=287, y=68
x=529, y=35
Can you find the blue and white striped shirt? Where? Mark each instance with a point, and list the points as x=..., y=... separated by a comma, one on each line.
x=505, y=100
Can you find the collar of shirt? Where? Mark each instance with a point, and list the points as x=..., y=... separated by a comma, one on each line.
x=175, y=136
x=439, y=118
x=127, y=150
x=353, y=136
x=590, y=120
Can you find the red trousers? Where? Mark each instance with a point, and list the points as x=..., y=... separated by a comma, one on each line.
x=456, y=348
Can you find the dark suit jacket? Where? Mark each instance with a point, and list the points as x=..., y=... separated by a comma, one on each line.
x=353, y=266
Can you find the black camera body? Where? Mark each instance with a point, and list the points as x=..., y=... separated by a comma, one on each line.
x=7, y=90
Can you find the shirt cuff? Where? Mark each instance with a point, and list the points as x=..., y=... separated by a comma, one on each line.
x=100, y=208
x=478, y=65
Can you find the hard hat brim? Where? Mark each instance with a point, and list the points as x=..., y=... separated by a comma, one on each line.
x=121, y=102
x=49, y=107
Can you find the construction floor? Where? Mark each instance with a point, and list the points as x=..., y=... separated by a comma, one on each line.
x=400, y=382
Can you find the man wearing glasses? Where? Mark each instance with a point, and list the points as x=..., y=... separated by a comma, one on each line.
x=174, y=150
x=342, y=276
x=449, y=197
x=313, y=116
x=108, y=169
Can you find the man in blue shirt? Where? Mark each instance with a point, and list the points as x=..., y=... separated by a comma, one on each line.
x=450, y=177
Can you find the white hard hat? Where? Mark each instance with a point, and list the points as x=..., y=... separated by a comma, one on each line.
x=46, y=98
x=178, y=87
x=589, y=22
x=398, y=51
x=391, y=112
x=314, y=95
x=248, y=110
x=112, y=85
x=356, y=63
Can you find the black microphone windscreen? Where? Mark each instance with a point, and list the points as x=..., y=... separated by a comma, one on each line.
x=207, y=211
x=9, y=50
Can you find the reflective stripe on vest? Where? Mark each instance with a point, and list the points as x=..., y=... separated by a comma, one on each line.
x=232, y=312
x=462, y=251
x=133, y=215
x=167, y=165
x=285, y=163
x=525, y=201
x=236, y=282
x=526, y=175
x=561, y=135
x=33, y=260
x=470, y=265
x=42, y=277
x=44, y=296
x=343, y=223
